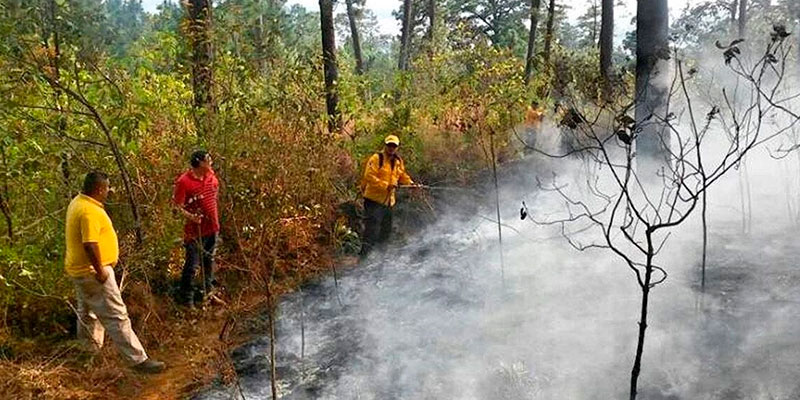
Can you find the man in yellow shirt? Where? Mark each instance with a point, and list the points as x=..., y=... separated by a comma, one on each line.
x=384, y=172
x=92, y=252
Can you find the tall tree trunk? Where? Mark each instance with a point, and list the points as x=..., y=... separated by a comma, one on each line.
x=734, y=6
x=431, y=26
x=548, y=36
x=329, y=63
x=607, y=47
x=199, y=29
x=652, y=79
x=261, y=45
x=351, y=15
x=742, y=17
x=405, y=35
x=797, y=53
x=55, y=66
x=595, y=42
x=531, y=55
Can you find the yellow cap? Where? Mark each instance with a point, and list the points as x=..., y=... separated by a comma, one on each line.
x=392, y=139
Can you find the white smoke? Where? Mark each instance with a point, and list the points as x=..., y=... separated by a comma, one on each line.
x=433, y=319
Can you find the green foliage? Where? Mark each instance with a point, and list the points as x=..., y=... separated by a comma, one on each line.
x=76, y=85
x=502, y=22
x=589, y=25
x=716, y=20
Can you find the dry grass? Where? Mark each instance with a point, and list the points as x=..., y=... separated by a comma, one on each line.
x=280, y=190
x=190, y=345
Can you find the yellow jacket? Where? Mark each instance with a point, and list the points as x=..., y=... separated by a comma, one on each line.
x=379, y=176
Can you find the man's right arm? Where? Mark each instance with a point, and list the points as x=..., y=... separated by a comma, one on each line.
x=90, y=235
x=93, y=252
x=191, y=217
x=178, y=200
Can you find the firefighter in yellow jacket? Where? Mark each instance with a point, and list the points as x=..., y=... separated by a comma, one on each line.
x=384, y=172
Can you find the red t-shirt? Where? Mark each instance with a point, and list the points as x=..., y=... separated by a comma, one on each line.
x=198, y=196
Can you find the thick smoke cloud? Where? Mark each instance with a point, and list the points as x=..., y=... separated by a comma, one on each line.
x=431, y=318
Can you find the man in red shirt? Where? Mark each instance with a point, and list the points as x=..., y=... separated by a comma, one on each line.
x=196, y=197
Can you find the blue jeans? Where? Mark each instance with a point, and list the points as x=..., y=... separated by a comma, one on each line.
x=197, y=251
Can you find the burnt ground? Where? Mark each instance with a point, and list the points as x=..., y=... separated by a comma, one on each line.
x=742, y=344
x=428, y=319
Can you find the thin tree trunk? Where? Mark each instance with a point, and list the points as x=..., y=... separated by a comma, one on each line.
x=652, y=53
x=405, y=36
x=351, y=15
x=548, y=37
x=742, y=201
x=329, y=64
x=5, y=207
x=745, y=197
x=497, y=204
x=302, y=323
x=607, y=47
x=271, y=308
x=432, y=26
x=55, y=65
x=55, y=61
x=704, y=217
x=788, y=187
x=734, y=6
x=742, y=18
x=637, y=363
x=531, y=54
x=749, y=195
x=273, y=365
x=199, y=29
x=6, y=210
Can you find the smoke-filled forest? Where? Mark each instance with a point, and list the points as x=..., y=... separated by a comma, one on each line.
x=399, y=199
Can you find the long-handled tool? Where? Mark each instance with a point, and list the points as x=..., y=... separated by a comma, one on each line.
x=428, y=187
x=200, y=263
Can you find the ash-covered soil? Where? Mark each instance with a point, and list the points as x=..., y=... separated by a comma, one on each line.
x=437, y=317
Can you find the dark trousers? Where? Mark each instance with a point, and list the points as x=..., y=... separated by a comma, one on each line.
x=198, y=251
x=377, y=225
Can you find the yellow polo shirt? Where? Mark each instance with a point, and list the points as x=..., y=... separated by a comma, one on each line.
x=88, y=222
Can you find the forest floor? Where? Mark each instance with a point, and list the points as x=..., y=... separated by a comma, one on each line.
x=396, y=330
x=195, y=344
